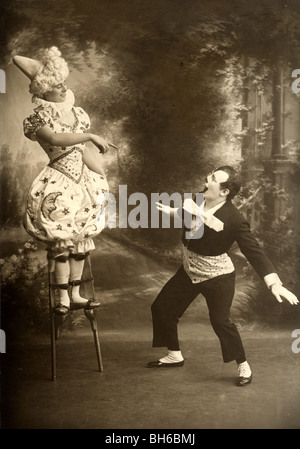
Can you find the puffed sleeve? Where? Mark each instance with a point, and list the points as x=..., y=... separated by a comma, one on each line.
x=32, y=124
x=84, y=119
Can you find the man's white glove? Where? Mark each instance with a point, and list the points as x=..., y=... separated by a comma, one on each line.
x=278, y=290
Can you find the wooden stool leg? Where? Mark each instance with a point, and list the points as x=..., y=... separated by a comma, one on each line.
x=92, y=315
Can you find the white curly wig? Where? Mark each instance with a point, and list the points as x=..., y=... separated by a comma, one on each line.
x=54, y=70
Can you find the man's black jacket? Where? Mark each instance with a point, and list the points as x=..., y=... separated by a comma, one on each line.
x=236, y=229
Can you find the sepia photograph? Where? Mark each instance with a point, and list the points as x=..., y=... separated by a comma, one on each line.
x=149, y=206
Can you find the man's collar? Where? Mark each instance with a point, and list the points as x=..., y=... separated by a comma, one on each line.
x=214, y=209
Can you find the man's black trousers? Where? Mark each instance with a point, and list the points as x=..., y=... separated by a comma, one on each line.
x=175, y=297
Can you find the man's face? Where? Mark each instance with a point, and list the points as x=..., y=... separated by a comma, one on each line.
x=213, y=189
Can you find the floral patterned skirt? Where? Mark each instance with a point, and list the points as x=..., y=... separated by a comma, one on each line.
x=65, y=214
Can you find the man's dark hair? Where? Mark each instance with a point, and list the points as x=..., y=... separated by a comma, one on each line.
x=233, y=183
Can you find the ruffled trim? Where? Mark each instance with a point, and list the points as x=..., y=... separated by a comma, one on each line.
x=58, y=248
x=56, y=109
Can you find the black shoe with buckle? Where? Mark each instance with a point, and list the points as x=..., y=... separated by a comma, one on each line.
x=159, y=364
x=91, y=304
x=243, y=381
x=60, y=309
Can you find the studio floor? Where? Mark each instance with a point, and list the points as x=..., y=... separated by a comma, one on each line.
x=128, y=395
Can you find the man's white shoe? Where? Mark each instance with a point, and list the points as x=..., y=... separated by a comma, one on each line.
x=245, y=374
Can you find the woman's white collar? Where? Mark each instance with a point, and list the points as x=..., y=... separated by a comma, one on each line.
x=56, y=109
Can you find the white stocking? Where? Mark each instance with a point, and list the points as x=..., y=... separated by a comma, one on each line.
x=76, y=270
x=62, y=274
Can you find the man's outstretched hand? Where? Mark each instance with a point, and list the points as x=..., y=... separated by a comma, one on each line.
x=280, y=291
x=165, y=209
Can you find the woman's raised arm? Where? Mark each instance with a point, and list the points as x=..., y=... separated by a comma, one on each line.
x=69, y=139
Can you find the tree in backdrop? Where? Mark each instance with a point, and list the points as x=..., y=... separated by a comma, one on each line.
x=172, y=82
x=16, y=176
x=10, y=193
x=172, y=87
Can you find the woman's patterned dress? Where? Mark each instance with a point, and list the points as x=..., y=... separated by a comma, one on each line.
x=66, y=203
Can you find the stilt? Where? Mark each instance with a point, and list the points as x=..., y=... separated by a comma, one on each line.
x=91, y=315
x=56, y=321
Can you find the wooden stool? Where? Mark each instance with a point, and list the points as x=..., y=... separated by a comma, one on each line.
x=87, y=291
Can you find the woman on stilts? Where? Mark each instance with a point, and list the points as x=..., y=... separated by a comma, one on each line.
x=66, y=203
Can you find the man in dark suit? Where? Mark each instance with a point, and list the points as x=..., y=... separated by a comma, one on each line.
x=207, y=269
